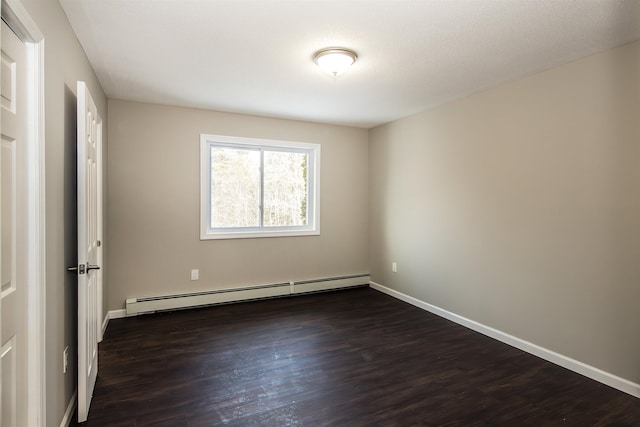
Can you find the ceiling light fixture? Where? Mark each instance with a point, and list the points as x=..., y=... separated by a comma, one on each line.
x=334, y=60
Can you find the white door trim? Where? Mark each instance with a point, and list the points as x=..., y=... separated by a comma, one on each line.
x=17, y=17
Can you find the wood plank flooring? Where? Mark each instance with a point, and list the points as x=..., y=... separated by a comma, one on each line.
x=346, y=358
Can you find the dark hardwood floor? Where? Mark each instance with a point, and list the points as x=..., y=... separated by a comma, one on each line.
x=346, y=358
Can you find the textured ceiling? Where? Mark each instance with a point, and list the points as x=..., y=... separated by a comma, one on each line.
x=255, y=56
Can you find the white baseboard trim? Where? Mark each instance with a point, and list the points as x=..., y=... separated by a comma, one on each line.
x=112, y=314
x=68, y=414
x=105, y=322
x=117, y=314
x=546, y=354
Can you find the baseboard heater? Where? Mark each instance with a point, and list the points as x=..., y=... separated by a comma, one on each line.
x=198, y=299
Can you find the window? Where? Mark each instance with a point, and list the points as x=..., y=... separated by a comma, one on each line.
x=258, y=188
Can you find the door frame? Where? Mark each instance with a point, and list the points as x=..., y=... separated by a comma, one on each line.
x=19, y=20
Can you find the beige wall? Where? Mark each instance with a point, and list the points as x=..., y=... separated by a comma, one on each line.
x=519, y=208
x=65, y=63
x=153, y=205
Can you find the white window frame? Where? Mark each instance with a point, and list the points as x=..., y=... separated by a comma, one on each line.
x=313, y=188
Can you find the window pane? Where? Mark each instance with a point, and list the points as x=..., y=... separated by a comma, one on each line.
x=285, y=189
x=235, y=187
x=254, y=188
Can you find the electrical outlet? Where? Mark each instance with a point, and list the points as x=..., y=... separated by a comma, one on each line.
x=394, y=267
x=65, y=360
x=195, y=274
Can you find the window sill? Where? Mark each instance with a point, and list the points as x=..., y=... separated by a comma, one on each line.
x=257, y=234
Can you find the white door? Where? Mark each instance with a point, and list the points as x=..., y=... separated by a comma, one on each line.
x=13, y=217
x=89, y=219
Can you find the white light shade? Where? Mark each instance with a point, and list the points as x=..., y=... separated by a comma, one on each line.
x=335, y=60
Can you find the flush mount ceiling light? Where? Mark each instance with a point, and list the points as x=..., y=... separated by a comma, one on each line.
x=334, y=60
